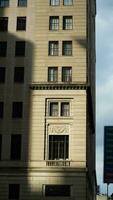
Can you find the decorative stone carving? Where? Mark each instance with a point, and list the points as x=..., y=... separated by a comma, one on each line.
x=58, y=129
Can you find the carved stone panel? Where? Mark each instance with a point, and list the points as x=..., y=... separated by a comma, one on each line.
x=58, y=129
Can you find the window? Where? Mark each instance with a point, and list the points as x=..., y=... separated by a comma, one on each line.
x=67, y=48
x=3, y=24
x=20, y=48
x=53, y=74
x=15, y=147
x=67, y=22
x=4, y=3
x=2, y=74
x=68, y=2
x=0, y=145
x=58, y=190
x=54, y=2
x=53, y=48
x=19, y=75
x=54, y=109
x=17, y=111
x=1, y=109
x=22, y=3
x=65, y=109
x=3, y=49
x=21, y=24
x=14, y=190
x=54, y=23
x=66, y=74
x=58, y=147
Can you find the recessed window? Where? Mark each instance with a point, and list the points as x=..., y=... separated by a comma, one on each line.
x=21, y=24
x=2, y=74
x=3, y=24
x=68, y=2
x=54, y=109
x=67, y=48
x=22, y=3
x=67, y=23
x=17, y=110
x=1, y=109
x=58, y=147
x=20, y=48
x=66, y=74
x=58, y=190
x=19, y=74
x=4, y=3
x=65, y=109
x=3, y=49
x=14, y=192
x=15, y=147
x=52, y=74
x=53, y=48
x=0, y=146
x=54, y=23
x=54, y=2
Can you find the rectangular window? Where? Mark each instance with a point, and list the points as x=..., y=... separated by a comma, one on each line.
x=54, y=23
x=58, y=190
x=2, y=74
x=14, y=192
x=19, y=75
x=67, y=48
x=58, y=147
x=0, y=146
x=3, y=49
x=1, y=109
x=20, y=48
x=54, y=2
x=53, y=48
x=21, y=24
x=3, y=24
x=52, y=74
x=67, y=23
x=53, y=109
x=22, y=3
x=68, y=2
x=65, y=109
x=66, y=74
x=4, y=3
x=17, y=110
x=15, y=147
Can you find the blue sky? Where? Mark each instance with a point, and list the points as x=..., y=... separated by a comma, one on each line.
x=104, y=79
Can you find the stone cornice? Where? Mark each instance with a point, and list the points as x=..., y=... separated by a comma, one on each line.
x=58, y=86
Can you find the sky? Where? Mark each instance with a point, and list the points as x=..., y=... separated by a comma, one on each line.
x=104, y=80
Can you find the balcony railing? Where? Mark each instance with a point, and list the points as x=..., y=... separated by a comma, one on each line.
x=65, y=163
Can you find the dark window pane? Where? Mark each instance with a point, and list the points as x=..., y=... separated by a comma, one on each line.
x=2, y=74
x=19, y=75
x=21, y=23
x=15, y=147
x=65, y=109
x=67, y=22
x=54, y=2
x=22, y=3
x=3, y=23
x=58, y=147
x=67, y=48
x=14, y=190
x=3, y=49
x=54, y=23
x=1, y=109
x=17, y=111
x=52, y=74
x=4, y=3
x=53, y=48
x=68, y=2
x=58, y=190
x=0, y=145
x=20, y=48
x=67, y=74
x=53, y=109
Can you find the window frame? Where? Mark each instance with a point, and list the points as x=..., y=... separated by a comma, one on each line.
x=18, y=110
x=4, y=3
x=3, y=24
x=67, y=24
x=3, y=49
x=67, y=51
x=67, y=190
x=21, y=25
x=68, y=4
x=1, y=109
x=54, y=4
x=19, y=78
x=20, y=48
x=16, y=148
x=52, y=76
x=53, y=48
x=24, y=4
x=67, y=78
x=53, y=25
x=1, y=139
x=16, y=189
x=2, y=75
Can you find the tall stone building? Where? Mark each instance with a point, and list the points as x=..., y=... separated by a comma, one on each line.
x=47, y=99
